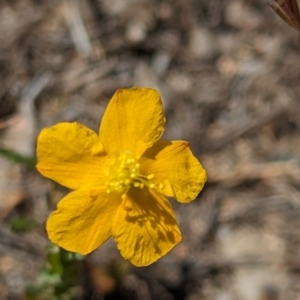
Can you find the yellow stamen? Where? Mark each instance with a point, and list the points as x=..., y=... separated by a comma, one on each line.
x=126, y=172
x=127, y=203
x=150, y=176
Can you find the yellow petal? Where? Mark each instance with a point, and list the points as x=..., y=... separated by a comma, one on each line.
x=72, y=155
x=145, y=227
x=177, y=172
x=83, y=220
x=133, y=121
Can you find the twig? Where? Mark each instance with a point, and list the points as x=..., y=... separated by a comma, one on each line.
x=78, y=32
x=288, y=11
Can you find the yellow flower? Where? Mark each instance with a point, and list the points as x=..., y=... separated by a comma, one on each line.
x=120, y=179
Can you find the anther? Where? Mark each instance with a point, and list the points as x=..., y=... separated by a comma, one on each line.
x=150, y=176
x=127, y=203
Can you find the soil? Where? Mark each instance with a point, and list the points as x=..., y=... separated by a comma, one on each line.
x=228, y=72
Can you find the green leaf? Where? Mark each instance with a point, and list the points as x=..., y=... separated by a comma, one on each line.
x=23, y=224
x=18, y=158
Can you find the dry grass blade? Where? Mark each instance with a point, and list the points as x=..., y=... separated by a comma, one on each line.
x=79, y=34
x=287, y=10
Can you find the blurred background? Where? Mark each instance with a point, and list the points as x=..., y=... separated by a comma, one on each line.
x=228, y=72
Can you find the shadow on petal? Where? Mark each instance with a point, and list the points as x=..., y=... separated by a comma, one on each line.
x=149, y=230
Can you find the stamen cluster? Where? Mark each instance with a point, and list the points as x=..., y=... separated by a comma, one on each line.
x=126, y=171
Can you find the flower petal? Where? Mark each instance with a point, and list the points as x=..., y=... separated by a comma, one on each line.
x=145, y=227
x=178, y=173
x=83, y=220
x=133, y=121
x=72, y=155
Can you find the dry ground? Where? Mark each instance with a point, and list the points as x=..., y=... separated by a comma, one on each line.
x=228, y=72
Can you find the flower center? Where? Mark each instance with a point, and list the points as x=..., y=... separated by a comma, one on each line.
x=126, y=172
